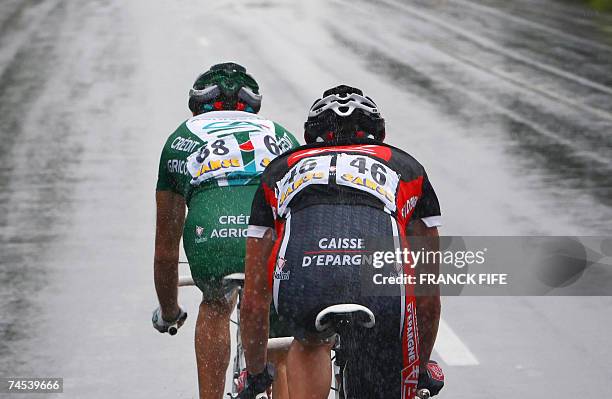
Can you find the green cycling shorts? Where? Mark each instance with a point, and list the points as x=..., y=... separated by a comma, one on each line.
x=214, y=239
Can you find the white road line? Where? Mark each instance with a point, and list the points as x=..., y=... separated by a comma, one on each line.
x=534, y=25
x=451, y=349
x=488, y=44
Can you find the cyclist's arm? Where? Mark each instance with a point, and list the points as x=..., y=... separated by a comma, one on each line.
x=170, y=220
x=255, y=306
x=425, y=222
x=427, y=296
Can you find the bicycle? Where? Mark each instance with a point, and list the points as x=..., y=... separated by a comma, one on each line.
x=340, y=320
x=343, y=320
x=239, y=364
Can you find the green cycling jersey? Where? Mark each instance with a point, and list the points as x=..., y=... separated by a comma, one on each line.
x=217, y=149
x=215, y=160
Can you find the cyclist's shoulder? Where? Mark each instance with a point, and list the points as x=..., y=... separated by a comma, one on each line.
x=180, y=136
x=404, y=157
x=389, y=154
x=281, y=133
x=376, y=149
x=279, y=129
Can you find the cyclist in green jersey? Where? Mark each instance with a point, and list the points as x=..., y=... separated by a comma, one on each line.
x=211, y=165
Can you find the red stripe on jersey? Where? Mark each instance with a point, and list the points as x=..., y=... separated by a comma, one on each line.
x=410, y=347
x=269, y=195
x=271, y=200
x=410, y=330
x=408, y=193
x=378, y=151
x=280, y=228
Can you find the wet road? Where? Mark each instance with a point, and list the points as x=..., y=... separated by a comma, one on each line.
x=507, y=104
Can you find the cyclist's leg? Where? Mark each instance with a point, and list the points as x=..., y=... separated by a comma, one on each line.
x=278, y=356
x=308, y=360
x=212, y=346
x=214, y=244
x=309, y=370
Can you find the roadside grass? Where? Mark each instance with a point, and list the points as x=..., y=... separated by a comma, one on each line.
x=601, y=5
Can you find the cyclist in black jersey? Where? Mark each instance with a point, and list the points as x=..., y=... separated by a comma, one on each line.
x=315, y=208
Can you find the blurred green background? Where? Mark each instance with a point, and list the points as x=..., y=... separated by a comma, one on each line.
x=600, y=5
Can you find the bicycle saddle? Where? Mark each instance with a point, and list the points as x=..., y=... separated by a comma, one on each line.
x=236, y=278
x=345, y=314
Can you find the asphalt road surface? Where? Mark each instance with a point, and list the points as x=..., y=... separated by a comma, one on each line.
x=507, y=104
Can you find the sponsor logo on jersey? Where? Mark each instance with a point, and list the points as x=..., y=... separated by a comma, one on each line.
x=177, y=166
x=308, y=171
x=184, y=144
x=199, y=230
x=298, y=183
x=410, y=373
x=235, y=126
x=218, y=164
x=284, y=143
x=200, y=237
x=234, y=219
x=411, y=335
x=206, y=127
x=336, y=251
x=279, y=274
x=228, y=233
x=369, y=184
x=409, y=206
x=332, y=260
x=341, y=243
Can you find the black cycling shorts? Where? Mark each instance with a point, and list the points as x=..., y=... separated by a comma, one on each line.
x=318, y=265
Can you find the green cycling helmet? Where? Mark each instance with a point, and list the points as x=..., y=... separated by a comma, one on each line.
x=225, y=86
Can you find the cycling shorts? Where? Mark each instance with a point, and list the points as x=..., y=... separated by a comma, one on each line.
x=214, y=239
x=311, y=273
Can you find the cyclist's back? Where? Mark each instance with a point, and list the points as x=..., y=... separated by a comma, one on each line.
x=214, y=160
x=212, y=165
x=327, y=201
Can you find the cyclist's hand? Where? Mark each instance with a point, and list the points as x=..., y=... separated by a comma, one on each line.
x=258, y=384
x=162, y=325
x=432, y=378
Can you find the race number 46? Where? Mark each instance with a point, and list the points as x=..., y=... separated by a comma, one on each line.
x=366, y=174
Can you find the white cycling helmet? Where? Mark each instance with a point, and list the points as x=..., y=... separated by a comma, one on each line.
x=343, y=113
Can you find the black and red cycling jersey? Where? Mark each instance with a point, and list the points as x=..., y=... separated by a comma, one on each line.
x=369, y=173
x=348, y=193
